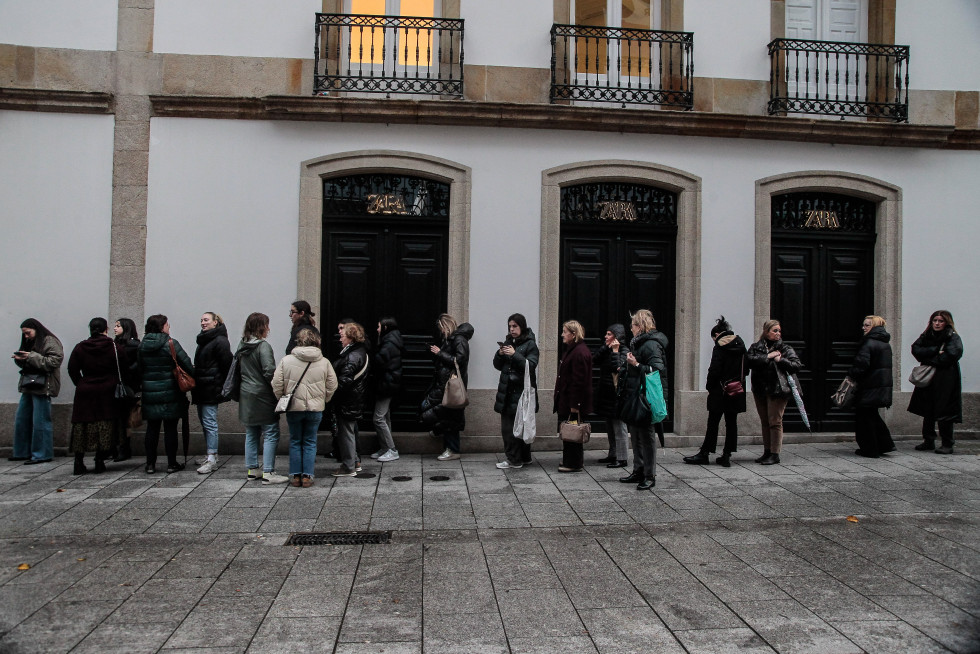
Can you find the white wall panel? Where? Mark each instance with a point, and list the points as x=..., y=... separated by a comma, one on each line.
x=507, y=33
x=945, y=43
x=729, y=37
x=225, y=195
x=55, y=211
x=77, y=24
x=243, y=28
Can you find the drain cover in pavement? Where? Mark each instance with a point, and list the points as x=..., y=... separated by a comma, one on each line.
x=365, y=475
x=439, y=478
x=340, y=538
x=401, y=478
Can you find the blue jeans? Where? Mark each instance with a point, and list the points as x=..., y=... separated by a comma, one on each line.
x=208, y=413
x=302, y=441
x=270, y=433
x=33, y=435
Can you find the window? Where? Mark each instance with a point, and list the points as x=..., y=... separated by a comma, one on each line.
x=411, y=45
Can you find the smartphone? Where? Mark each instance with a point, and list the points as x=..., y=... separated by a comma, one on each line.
x=500, y=343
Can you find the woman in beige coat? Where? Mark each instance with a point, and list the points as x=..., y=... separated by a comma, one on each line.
x=312, y=381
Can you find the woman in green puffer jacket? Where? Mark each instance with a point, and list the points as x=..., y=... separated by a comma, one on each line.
x=163, y=401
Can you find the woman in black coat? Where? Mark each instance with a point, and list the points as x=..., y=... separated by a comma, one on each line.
x=941, y=401
x=648, y=352
x=387, y=372
x=872, y=372
x=573, y=390
x=519, y=350
x=453, y=350
x=93, y=367
x=301, y=314
x=128, y=337
x=212, y=361
x=772, y=362
x=727, y=364
x=609, y=358
x=348, y=401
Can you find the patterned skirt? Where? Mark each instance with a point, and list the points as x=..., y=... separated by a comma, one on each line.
x=102, y=435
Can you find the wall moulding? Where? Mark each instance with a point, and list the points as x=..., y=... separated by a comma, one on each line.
x=71, y=102
x=518, y=116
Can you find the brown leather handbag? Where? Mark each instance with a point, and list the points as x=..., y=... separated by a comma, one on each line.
x=184, y=381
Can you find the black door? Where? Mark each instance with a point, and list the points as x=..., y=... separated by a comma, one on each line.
x=617, y=256
x=822, y=287
x=385, y=253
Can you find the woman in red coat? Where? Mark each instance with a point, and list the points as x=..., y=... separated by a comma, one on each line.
x=573, y=390
x=94, y=370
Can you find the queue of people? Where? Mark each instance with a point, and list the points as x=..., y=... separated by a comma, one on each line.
x=111, y=372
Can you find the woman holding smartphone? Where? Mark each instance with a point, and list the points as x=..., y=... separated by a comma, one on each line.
x=516, y=352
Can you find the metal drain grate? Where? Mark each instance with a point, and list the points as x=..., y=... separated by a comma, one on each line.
x=365, y=475
x=340, y=538
x=401, y=478
x=439, y=478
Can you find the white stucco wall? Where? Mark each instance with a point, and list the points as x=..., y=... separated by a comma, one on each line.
x=55, y=209
x=945, y=43
x=508, y=33
x=729, y=37
x=243, y=28
x=234, y=213
x=78, y=24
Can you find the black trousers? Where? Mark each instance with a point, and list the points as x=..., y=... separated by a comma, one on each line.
x=169, y=440
x=945, y=431
x=871, y=432
x=711, y=433
x=518, y=452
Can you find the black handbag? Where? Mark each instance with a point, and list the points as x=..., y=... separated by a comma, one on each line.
x=122, y=393
x=32, y=381
x=636, y=409
x=232, y=388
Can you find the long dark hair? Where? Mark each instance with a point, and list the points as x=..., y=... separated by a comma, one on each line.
x=40, y=333
x=946, y=315
x=128, y=331
x=388, y=324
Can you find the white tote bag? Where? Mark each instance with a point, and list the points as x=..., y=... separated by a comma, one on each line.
x=524, y=423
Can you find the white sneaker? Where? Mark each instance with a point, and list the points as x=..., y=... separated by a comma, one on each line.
x=207, y=468
x=273, y=478
x=507, y=465
x=390, y=455
x=380, y=453
x=448, y=455
x=343, y=471
x=357, y=467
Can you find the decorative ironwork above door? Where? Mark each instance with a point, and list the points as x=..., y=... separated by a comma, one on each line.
x=621, y=202
x=829, y=212
x=385, y=194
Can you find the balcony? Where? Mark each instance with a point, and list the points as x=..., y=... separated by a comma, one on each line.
x=839, y=79
x=624, y=66
x=388, y=54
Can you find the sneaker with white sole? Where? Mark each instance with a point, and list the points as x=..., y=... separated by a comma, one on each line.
x=448, y=455
x=507, y=465
x=380, y=453
x=390, y=455
x=254, y=473
x=207, y=468
x=273, y=478
x=343, y=471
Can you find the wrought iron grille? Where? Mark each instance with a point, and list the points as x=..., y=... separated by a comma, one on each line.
x=340, y=538
x=626, y=202
x=823, y=212
x=388, y=54
x=628, y=66
x=385, y=194
x=839, y=79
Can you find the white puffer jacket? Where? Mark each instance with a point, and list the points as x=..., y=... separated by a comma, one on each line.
x=318, y=384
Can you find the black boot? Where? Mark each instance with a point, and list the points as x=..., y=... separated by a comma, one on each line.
x=607, y=459
x=724, y=460
x=765, y=457
x=700, y=458
x=617, y=464
x=99, y=462
x=632, y=478
x=80, y=468
x=926, y=446
x=771, y=461
x=124, y=451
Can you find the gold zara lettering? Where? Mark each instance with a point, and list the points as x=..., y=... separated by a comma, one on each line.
x=821, y=219
x=386, y=203
x=618, y=210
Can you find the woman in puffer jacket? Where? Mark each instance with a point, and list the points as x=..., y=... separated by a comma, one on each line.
x=211, y=363
x=608, y=359
x=519, y=351
x=39, y=358
x=306, y=374
x=257, y=402
x=452, y=351
x=872, y=371
x=352, y=379
x=387, y=374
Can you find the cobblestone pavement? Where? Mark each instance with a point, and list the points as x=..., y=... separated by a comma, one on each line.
x=745, y=559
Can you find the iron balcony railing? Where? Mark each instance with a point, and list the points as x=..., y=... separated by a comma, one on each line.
x=627, y=66
x=839, y=79
x=388, y=54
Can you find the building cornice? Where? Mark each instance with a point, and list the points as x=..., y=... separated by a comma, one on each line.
x=73, y=102
x=542, y=116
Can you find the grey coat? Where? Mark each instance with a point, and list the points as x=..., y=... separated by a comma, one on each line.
x=48, y=361
x=257, y=404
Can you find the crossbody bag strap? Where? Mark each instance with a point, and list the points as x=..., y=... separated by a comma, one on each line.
x=362, y=370
x=118, y=369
